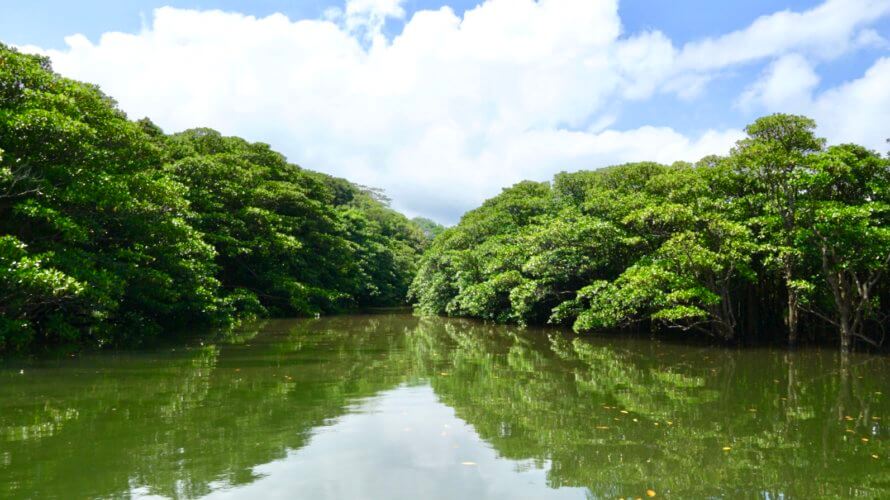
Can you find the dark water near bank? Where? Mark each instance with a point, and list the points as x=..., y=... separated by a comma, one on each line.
x=393, y=406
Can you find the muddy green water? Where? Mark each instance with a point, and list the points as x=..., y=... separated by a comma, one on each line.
x=394, y=406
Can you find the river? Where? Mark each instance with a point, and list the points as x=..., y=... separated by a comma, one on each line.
x=392, y=406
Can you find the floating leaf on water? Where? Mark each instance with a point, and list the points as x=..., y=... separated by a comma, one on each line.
x=602, y=427
x=864, y=440
x=624, y=412
x=874, y=455
x=727, y=448
x=650, y=493
x=468, y=463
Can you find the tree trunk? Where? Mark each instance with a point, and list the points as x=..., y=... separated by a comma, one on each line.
x=792, y=317
x=846, y=337
x=793, y=307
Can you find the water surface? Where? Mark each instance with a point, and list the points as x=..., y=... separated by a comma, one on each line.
x=394, y=406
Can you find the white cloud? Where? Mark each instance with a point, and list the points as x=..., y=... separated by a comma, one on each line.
x=787, y=83
x=827, y=30
x=455, y=107
x=855, y=111
x=366, y=18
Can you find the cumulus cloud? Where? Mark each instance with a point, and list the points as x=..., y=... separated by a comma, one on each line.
x=855, y=111
x=827, y=30
x=788, y=83
x=454, y=107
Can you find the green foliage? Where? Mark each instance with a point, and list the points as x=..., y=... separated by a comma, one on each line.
x=90, y=211
x=430, y=228
x=112, y=231
x=711, y=247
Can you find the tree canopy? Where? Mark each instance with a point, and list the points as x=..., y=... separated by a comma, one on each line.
x=112, y=231
x=744, y=247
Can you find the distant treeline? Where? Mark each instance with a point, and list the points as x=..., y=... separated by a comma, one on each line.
x=784, y=238
x=112, y=231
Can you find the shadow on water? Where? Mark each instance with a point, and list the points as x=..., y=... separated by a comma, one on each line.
x=613, y=417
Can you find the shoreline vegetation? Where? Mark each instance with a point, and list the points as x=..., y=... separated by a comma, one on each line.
x=112, y=232
x=784, y=238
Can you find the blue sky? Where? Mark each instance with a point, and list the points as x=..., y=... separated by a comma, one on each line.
x=46, y=22
x=667, y=80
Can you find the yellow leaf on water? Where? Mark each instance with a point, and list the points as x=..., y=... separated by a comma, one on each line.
x=874, y=456
x=602, y=427
x=650, y=493
x=848, y=418
x=624, y=412
x=468, y=463
x=864, y=440
x=727, y=448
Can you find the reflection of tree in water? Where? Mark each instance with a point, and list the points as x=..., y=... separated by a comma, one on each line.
x=622, y=416
x=177, y=422
x=615, y=416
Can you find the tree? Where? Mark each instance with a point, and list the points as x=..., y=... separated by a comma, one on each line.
x=112, y=232
x=772, y=160
x=430, y=228
x=848, y=228
x=95, y=243
x=731, y=247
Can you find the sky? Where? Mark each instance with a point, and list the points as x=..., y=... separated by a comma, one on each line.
x=442, y=103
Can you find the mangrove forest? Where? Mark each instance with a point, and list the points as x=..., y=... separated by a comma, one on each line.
x=113, y=232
